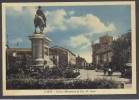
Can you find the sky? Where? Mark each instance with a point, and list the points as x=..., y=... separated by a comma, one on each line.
x=71, y=27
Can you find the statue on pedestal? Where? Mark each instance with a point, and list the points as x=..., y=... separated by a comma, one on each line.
x=40, y=20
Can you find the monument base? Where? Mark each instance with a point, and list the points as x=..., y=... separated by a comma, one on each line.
x=40, y=51
x=48, y=64
x=42, y=63
x=37, y=62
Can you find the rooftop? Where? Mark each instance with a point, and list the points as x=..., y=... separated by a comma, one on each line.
x=62, y=49
x=18, y=49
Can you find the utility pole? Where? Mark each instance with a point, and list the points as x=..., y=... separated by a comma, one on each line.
x=107, y=46
x=7, y=54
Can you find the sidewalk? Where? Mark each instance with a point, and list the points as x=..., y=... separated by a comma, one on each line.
x=92, y=74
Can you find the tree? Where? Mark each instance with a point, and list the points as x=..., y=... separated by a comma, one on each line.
x=121, y=50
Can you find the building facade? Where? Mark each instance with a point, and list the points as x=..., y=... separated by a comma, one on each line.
x=18, y=52
x=55, y=58
x=105, y=40
x=102, y=52
x=62, y=56
x=58, y=55
x=80, y=62
x=18, y=56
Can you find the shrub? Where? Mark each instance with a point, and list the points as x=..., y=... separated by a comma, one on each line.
x=105, y=83
x=55, y=84
x=71, y=74
x=59, y=73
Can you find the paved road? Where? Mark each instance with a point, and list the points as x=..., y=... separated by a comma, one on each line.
x=92, y=74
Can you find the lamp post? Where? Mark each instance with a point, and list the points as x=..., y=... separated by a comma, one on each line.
x=7, y=58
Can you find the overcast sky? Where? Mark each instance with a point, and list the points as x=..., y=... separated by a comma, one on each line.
x=71, y=27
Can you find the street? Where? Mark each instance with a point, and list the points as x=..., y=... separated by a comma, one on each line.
x=92, y=74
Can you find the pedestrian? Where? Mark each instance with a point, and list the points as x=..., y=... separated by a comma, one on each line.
x=109, y=71
x=96, y=69
x=105, y=70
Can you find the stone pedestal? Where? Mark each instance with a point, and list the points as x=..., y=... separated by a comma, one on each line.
x=40, y=50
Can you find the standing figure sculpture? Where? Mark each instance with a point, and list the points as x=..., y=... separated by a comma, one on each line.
x=40, y=20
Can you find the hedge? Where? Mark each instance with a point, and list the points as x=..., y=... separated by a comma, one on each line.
x=78, y=84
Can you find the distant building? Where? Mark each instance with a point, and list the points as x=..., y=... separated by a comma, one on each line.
x=80, y=62
x=55, y=58
x=102, y=52
x=64, y=56
x=105, y=40
x=59, y=55
x=95, y=47
x=18, y=52
x=16, y=56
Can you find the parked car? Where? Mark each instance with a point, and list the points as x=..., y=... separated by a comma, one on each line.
x=89, y=67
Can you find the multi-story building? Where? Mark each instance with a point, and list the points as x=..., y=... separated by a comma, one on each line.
x=64, y=56
x=80, y=62
x=105, y=40
x=16, y=56
x=55, y=58
x=95, y=47
x=18, y=51
x=102, y=52
x=59, y=56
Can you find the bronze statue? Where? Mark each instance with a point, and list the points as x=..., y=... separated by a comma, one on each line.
x=40, y=20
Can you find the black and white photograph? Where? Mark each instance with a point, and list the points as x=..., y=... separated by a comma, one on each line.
x=80, y=48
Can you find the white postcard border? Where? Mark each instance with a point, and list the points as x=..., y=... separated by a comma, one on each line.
x=69, y=91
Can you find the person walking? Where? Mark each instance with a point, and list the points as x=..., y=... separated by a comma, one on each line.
x=105, y=71
x=109, y=72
